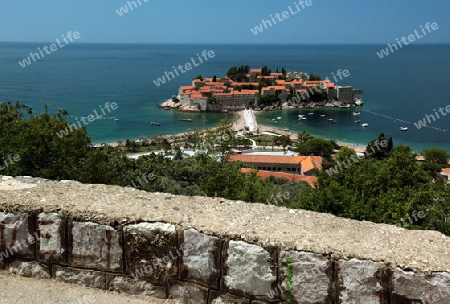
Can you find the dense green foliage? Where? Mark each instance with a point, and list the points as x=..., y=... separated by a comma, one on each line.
x=316, y=146
x=436, y=155
x=45, y=154
x=387, y=187
x=385, y=190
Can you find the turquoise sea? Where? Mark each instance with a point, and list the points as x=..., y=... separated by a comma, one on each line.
x=81, y=78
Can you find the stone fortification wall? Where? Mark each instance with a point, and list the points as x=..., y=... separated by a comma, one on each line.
x=212, y=250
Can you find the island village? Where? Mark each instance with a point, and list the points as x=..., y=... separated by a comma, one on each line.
x=245, y=90
x=262, y=89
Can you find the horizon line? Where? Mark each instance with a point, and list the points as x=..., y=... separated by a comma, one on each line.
x=227, y=43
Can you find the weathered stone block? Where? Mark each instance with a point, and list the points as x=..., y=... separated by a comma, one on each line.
x=201, y=263
x=416, y=286
x=248, y=269
x=135, y=287
x=96, y=246
x=14, y=236
x=304, y=276
x=217, y=297
x=359, y=282
x=188, y=293
x=29, y=269
x=151, y=251
x=86, y=278
x=52, y=242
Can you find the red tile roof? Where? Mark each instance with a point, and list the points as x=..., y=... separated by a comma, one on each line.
x=311, y=180
x=307, y=162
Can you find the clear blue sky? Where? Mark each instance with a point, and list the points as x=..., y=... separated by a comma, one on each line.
x=208, y=21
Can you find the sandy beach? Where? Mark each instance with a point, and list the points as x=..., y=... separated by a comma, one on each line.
x=239, y=125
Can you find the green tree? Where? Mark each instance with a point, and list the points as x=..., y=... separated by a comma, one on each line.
x=436, y=155
x=231, y=73
x=313, y=77
x=345, y=154
x=303, y=137
x=283, y=141
x=48, y=147
x=316, y=146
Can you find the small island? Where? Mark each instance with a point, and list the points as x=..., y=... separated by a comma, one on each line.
x=261, y=89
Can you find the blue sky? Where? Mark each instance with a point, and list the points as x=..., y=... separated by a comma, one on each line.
x=202, y=21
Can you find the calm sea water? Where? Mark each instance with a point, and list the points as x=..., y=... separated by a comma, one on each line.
x=406, y=85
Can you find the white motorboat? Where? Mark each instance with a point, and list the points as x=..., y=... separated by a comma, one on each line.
x=285, y=129
x=403, y=129
x=356, y=113
x=301, y=117
x=279, y=117
x=364, y=125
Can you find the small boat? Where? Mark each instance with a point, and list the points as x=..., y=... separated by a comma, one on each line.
x=357, y=121
x=403, y=129
x=279, y=117
x=358, y=101
x=323, y=115
x=153, y=123
x=333, y=121
x=311, y=113
x=356, y=113
x=186, y=119
x=330, y=119
x=116, y=119
x=285, y=129
x=364, y=125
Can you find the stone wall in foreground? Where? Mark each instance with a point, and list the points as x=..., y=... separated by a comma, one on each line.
x=169, y=260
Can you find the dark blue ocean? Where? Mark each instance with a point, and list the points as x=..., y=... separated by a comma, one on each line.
x=406, y=85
